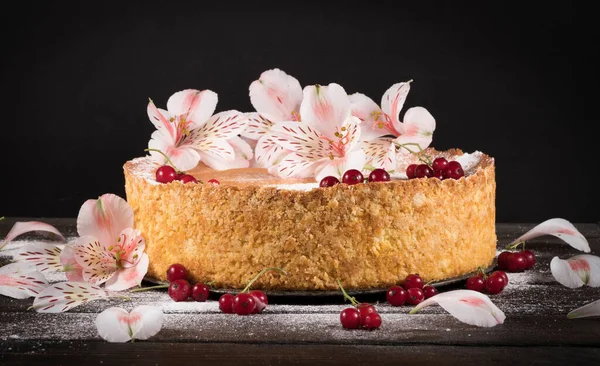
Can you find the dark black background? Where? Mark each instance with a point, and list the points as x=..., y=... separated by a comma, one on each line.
x=512, y=81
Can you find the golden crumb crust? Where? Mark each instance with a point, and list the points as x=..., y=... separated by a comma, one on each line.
x=368, y=235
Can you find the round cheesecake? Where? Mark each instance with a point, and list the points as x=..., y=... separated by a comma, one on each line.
x=368, y=235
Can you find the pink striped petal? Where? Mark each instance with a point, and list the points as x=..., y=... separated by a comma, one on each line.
x=258, y=126
x=370, y=115
x=276, y=96
x=325, y=108
x=418, y=127
x=126, y=278
x=64, y=296
x=242, y=156
x=560, y=228
x=163, y=121
x=184, y=157
x=269, y=152
x=293, y=165
x=21, y=281
x=73, y=270
x=337, y=167
x=591, y=309
x=391, y=104
x=194, y=105
x=303, y=139
x=22, y=227
x=118, y=326
x=381, y=153
x=577, y=271
x=104, y=218
x=44, y=257
x=97, y=262
x=470, y=307
x=224, y=125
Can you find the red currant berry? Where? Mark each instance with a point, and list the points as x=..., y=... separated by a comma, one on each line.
x=501, y=274
x=476, y=283
x=429, y=291
x=413, y=281
x=176, y=272
x=244, y=304
x=226, y=303
x=439, y=174
x=353, y=176
x=503, y=260
x=365, y=309
x=494, y=284
x=410, y=171
x=454, y=170
x=372, y=321
x=423, y=171
x=200, y=292
x=188, y=179
x=214, y=181
x=180, y=290
x=329, y=182
x=179, y=175
x=165, y=174
x=261, y=300
x=439, y=164
x=415, y=296
x=530, y=257
x=379, y=175
x=396, y=295
x=350, y=318
x=517, y=262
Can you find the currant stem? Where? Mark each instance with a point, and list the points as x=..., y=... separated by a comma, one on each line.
x=480, y=269
x=369, y=167
x=515, y=245
x=165, y=156
x=346, y=296
x=149, y=288
x=260, y=274
x=424, y=158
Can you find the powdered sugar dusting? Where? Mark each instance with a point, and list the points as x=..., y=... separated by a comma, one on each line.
x=295, y=187
x=145, y=168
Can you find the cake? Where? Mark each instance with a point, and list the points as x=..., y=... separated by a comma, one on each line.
x=258, y=214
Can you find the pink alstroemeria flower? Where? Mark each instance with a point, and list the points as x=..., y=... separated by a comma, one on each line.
x=276, y=97
x=417, y=128
x=109, y=250
x=325, y=142
x=188, y=132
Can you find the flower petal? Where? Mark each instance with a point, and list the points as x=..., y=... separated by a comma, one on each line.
x=97, y=262
x=418, y=127
x=183, y=157
x=162, y=121
x=113, y=325
x=258, y=126
x=243, y=156
x=104, y=218
x=468, y=306
x=276, y=96
x=64, y=296
x=560, y=228
x=224, y=125
x=591, y=309
x=196, y=106
x=392, y=103
x=126, y=278
x=42, y=256
x=577, y=271
x=304, y=140
x=369, y=113
x=268, y=152
x=325, y=108
x=150, y=321
x=20, y=228
x=293, y=165
x=133, y=245
x=20, y=281
x=381, y=153
x=73, y=270
x=337, y=167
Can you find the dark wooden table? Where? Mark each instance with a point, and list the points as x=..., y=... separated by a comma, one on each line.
x=306, y=330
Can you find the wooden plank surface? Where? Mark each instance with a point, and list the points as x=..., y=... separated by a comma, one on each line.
x=304, y=330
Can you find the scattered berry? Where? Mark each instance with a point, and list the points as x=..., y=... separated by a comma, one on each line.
x=329, y=182
x=413, y=281
x=410, y=171
x=165, y=174
x=396, y=295
x=439, y=164
x=429, y=291
x=226, y=303
x=501, y=274
x=372, y=321
x=365, y=309
x=379, y=175
x=244, y=304
x=200, y=292
x=530, y=257
x=494, y=284
x=415, y=296
x=352, y=176
x=176, y=272
x=476, y=283
x=188, y=179
x=261, y=301
x=423, y=171
x=517, y=262
x=214, y=181
x=350, y=318
x=180, y=290
x=454, y=170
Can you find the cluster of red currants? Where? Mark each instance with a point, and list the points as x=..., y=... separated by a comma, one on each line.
x=354, y=176
x=413, y=291
x=518, y=261
x=168, y=174
x=440, y=168
x=179, y=287
x=492, y=284
x=360, y=315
